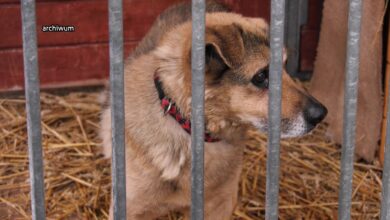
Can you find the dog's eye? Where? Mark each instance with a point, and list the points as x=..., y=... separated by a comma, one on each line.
x=260, y=79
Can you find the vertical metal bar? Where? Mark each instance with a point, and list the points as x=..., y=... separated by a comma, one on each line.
x=197, y=105
x=117, y=109
x=385, y=205
x=274, y=108
x=33, y=108
x=296, y=16
x=350, y=108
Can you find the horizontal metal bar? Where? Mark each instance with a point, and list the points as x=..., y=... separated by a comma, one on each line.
x=274, y=108
x=33, y=108
x=197, y=105
x=385, y=206
x=117, y=109
x=350, y=108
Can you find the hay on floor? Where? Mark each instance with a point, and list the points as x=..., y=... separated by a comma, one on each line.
x=77, y=177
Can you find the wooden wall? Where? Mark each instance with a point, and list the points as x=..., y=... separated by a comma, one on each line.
x=81, y=57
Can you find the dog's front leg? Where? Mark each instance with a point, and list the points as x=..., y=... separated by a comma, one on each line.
x=131, y=215
x=220, y=205
x=217, y=209
x=221, y=208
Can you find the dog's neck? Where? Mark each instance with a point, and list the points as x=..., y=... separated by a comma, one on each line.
x=170, y=107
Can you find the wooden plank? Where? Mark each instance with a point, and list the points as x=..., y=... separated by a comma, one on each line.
x=7, y=2
x=61, y=54
x=251, y=8
x=309, y=39
x=314, y=15
x=91, y=25
x=59, y=65
x=18, y=1
x=88, y=17
x=310, y=36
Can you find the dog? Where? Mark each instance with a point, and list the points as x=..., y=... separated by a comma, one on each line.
x=158, y=110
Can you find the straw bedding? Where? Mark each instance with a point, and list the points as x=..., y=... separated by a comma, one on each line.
x=77, y=177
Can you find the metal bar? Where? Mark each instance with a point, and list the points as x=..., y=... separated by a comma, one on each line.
x=296, y=16
x=385, y=205
x=117, y=109
x=275, y=90
x=197, y=105
x=33, y=108
x=350, y=108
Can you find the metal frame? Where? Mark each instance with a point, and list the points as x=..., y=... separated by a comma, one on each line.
x=198, y=67
x=296, y=16
x=350, y=108
x=117, y=108
x=33, y=108
x=274, y=108
x=197, y=108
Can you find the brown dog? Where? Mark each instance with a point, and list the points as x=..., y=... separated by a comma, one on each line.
x=157, y=110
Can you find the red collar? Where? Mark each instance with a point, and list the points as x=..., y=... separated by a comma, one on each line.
x=170, y=108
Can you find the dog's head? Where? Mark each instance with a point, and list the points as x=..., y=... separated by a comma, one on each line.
x=237, y=71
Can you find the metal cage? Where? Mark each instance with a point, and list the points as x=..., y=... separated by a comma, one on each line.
x=198, y=67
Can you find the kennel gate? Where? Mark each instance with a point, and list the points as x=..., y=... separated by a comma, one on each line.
x=30, y=58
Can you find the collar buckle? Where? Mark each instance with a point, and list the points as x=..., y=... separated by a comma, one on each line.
x=168, y=108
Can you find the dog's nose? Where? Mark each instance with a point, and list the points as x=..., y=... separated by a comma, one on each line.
x=314, y=112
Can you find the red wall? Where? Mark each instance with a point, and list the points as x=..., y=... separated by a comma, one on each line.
x=81, y=57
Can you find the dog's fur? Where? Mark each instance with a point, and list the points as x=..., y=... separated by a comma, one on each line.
x=158, y=149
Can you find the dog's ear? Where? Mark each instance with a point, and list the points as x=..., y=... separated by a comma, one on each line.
x=224, y=49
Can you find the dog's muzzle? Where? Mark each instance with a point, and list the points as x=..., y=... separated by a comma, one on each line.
x=313, y=113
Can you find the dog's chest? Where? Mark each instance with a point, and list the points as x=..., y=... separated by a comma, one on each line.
x=222, y=162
